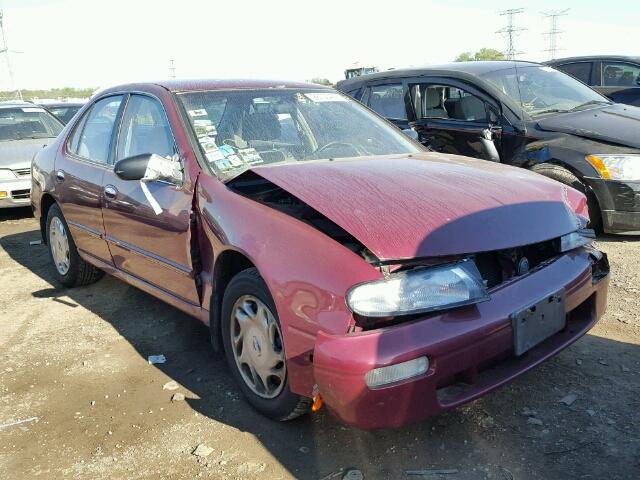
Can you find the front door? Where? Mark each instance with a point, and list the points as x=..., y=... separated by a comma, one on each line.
x=454, y=120
x=148, y=224
x=621, y=82
x=388, y=100
x=79, y=173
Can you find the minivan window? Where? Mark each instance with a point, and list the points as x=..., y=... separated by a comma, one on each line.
x=388, y=101
x=92, y=138
x=541, y=90
x=579, y=70
x=617, y=74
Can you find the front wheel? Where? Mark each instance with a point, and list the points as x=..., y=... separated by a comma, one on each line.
x=70, y=269
x=562, y=175
x=254, y=347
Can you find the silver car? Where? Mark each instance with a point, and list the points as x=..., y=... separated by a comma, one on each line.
x=24, y=129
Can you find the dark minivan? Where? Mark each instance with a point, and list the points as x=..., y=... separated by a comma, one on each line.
x=524, y=114
x=616, y=76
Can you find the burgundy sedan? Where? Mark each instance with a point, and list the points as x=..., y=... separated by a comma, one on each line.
x=335, y=261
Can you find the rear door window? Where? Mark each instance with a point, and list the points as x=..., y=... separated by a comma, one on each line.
x=92, y=137
x=579, y=70
x=388, y=100
x=618, y=74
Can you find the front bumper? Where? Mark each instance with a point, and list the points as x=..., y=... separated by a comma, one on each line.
x=619, y=203
x=470, y=349
x=16, y=193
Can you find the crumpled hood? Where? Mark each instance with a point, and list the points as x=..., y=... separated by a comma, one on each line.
x=19, y=153
x=432, y=204
x=615, y=123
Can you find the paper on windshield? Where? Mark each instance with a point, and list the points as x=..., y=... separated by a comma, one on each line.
x=325, y=97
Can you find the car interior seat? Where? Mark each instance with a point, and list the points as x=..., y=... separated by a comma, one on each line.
x=472, y=108
x=433, y=103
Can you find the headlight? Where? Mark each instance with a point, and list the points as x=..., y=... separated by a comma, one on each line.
x=576, y=239
x=419, y=290
x=6, y=174
x=616, y=167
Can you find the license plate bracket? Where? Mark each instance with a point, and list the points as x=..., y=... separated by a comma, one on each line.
x=538, y=321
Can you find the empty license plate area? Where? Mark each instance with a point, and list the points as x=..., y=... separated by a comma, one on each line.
x=538, y=321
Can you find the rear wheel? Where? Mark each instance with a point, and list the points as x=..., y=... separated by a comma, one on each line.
x=70, y=269
x=562, y=175
x=254, y=348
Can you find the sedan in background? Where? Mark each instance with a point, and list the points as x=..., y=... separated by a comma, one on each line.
x=24, y=129
x=523, y=114
x=615, y=76
x=63, y=111
x=335, y=261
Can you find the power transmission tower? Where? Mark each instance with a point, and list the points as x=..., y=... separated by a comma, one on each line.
x=172, y=68
x=511, y=31
x=5, y=49
x=554, y=33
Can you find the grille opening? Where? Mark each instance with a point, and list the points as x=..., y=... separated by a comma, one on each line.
x=19, y=194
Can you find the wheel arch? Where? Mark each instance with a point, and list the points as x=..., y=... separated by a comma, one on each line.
x=46, y=202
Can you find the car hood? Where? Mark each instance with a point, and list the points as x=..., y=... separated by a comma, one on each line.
x=431, y=204
x=615, y=123
x=19, y=153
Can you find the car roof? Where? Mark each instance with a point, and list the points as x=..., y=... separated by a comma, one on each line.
x=61, y=104
x=627, y=58
x=175, y=85
x=450, y=69
x=16, y=104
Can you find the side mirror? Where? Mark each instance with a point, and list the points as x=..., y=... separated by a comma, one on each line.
x=411, y=133
x=149, y=167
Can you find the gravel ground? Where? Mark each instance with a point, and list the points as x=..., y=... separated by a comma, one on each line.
x=74, y=370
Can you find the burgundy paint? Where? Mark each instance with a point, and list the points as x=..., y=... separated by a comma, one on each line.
x=400, y=207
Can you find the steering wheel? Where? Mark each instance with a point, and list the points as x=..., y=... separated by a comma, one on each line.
x=333, y=145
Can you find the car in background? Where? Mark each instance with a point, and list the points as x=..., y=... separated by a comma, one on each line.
x=24, y=129
x=615, y=76
x=63, y=111
x=333, y=258
x=523, y=114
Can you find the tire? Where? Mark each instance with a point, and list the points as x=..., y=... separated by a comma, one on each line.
x=78, y=272
x=285, y=405
x=562, y=175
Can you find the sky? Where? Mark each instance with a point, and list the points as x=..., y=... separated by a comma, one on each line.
x=97, y=43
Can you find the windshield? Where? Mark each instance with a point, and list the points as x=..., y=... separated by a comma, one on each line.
x=27, y=122
x=543, y=90
x=239, y=129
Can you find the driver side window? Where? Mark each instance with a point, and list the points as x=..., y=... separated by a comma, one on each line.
x=144, y=129
x=446, y=102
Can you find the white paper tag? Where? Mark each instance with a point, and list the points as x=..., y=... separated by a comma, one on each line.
x=152, y=201
x=325, y=97
x=33, y=110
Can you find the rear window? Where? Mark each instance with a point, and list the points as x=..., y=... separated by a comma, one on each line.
x=27, y=122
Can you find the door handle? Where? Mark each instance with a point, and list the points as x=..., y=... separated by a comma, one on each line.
x=60, y=175
x=110, y=191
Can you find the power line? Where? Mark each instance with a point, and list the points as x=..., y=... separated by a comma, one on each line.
x=5, y=50
x=511, y=31
x=554, y=33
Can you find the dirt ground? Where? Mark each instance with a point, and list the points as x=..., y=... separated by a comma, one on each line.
x=73, y=364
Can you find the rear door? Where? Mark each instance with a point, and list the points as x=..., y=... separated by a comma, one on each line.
x=579, y=70
x=148, y=224
x=388, y=100
x=621, y=82
x=79, y=173
x=453, y=118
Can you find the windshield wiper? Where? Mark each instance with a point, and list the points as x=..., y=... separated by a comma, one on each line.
x=589, y=103
x=551, y=110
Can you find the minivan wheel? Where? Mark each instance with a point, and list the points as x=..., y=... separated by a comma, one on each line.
x=254, y=348
x=70, y=270
x=562, y=175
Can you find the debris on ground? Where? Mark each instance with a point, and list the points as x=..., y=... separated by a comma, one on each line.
x=353, y=474
x=18, y=422
x=202, y=451
x=590, y=412
x=569, y=399
x=154, y=359
x=303, y=449
x=35, y=242
x=447, y=471
x=177, y=397
x=534, y=421
x=527, y=412
x=172, y=385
